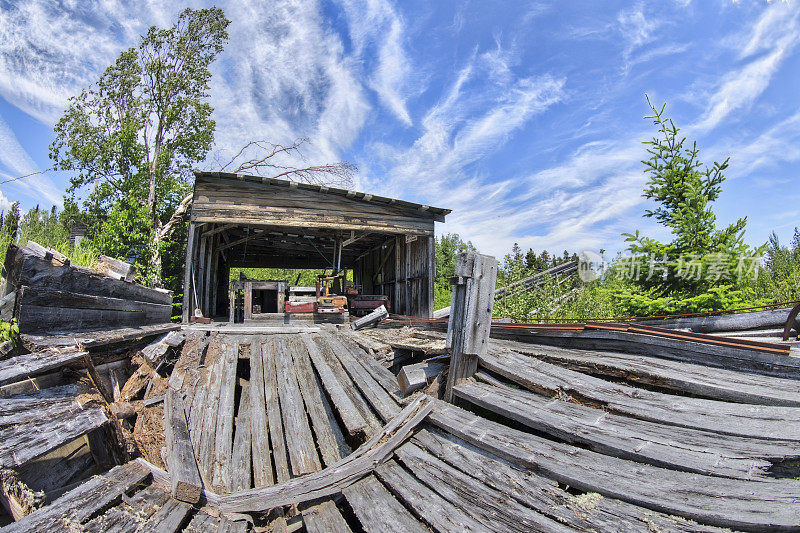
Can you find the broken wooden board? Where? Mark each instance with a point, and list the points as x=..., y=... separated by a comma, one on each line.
x=32, y=364
x=94, y=340
x=689, y=378
x=760, y=421
x=638, y=440
x=749, y=505
x=185, y=477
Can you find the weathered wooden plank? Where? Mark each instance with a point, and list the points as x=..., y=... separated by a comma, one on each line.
x=698, y=380
x=49, y=297
x=223, y=445
x=240, y=465
x=84, y=501
x=94, y=340
x=584, y=512
x=181, y=464
x=133, y=512
x=767, y=422
x=38, y=319
x=202, y=522
x=750, y=505
x=206, y=418
x=471, y=318
x=425, y=502
x=277, y=438
x=380, y=373
x=729, y=357
x=299, y=439
x=259, y=428
x=168, y=519
x=372, y=318
x=30, y=269
x=330, y=440
x=330, y=480
x=377, y=510
x=414, y=377
x=472, y=496
x=610, y=434
x=32, y=364
x=353, y=421
x=324, y=518
x=115, y=268
x=30, y=433
x=383, y=403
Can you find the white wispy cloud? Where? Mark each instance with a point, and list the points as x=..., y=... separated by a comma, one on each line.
x=636, y=28
x=376, y=24
x=776, y=32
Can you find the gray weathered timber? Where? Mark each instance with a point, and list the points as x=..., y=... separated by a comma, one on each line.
x=223, y=445
x=385, y=405
x=766, y=422
x=259, y=427
x=698, y=380
x=324, y=518
x=330, y=440
x=424, y=501
x=377, y=510
x=93, y=340
x=39, y=319
x=351, y=418
x=181, y=464
x=728, y=322
x=585, y=512
x=381, y=374
x=207, y=417
x=730, y=357
x=356, y=398
x=169, y=519
x=32, y=364
x=48, y=297
x=746, y=505
x=279, y=453
x=414, y=377
x=633, y=439
x=330, y=480
x=27, y=433
x=134, y=511
x=25, y=267
x=475, y=498
x=84, y=501
x=371, y=319
x=299, y=439
x=241, y=462
x=471, y=319
x=116, y=269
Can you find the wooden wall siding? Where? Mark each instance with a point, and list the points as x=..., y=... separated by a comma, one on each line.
x=245, y=202
x=407, y=277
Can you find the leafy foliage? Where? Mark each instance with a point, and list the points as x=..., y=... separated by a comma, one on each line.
x=133, y=137
x=684, y=190
x=446, y=248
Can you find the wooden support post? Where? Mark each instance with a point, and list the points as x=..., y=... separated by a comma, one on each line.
x=187, y=275
x=409, y=310
x=184, y=475
x=232, y=308
x=471, y=316
x=248, y=300
x=431, y=274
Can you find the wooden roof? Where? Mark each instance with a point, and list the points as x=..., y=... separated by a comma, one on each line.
x=254, y=200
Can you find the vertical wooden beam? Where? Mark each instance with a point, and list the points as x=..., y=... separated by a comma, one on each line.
x=207, y=275
x=214, y=276
x=184, y=475
x=470, y=316
x=431, y=273
x=202, y=266
x=187, y=274
x=248, y=300
x=396, y=303
x=232, y=308
x=409, y=310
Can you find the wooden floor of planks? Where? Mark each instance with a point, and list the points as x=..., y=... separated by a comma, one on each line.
x=545, y=439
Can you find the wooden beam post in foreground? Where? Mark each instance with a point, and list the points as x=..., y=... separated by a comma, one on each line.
x=471, y=316
x=184, y=475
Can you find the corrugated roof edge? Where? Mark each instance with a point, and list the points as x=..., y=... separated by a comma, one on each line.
x=357, y=195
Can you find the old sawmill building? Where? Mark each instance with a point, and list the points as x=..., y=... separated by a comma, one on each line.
x=250, y=221
x=113, y=418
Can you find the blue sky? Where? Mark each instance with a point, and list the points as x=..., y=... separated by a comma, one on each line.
x=524, y=118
